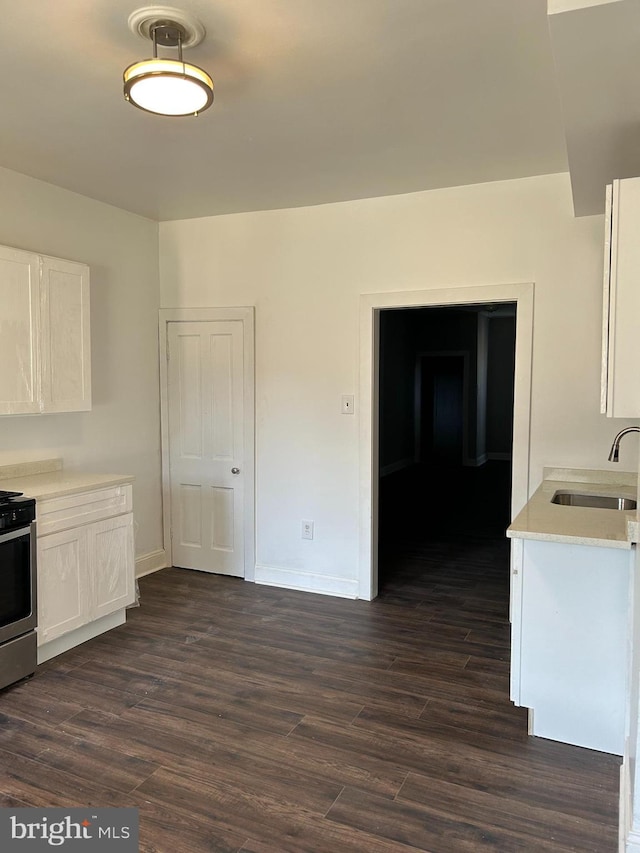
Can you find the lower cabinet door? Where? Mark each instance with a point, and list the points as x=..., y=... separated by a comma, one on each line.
x=112, y=560
x=64, y=583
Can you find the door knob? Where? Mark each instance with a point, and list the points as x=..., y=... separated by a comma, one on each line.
x=235, y=470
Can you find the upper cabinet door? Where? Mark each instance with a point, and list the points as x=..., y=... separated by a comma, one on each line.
x=620, y=397
x=19, y=332
x=66, y=346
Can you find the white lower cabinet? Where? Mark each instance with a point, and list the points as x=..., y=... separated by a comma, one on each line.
x=63, y=591
x=86, y=574
x=570, y=630
x=111, y=556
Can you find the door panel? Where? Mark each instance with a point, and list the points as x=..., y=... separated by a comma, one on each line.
x=190, y=400
x=206, y=412
x=222, y=414
x=190, y=515
x=222, y=521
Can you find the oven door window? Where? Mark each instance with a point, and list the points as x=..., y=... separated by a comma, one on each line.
x=15, y=579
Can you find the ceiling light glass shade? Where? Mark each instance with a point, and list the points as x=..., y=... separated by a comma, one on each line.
x=168, y=87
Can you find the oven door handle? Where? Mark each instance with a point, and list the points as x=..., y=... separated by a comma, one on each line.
x=14, y=534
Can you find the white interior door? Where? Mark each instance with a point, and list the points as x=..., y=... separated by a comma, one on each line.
x=206, y=375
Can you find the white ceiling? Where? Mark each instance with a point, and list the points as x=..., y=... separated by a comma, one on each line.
x=315, y=101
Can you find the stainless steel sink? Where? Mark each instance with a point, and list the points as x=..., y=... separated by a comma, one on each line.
x=598, y=501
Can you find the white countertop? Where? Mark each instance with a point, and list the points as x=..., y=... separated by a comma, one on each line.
x=56, y=483
x=605, y=528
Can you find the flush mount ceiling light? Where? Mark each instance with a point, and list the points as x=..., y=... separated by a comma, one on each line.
x=168, y=87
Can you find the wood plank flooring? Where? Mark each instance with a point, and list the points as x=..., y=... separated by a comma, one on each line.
x=246, y=718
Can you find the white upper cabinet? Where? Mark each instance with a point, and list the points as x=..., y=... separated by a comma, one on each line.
x=19, y=332
x=45, y=347
x=620, y=390
x=66, y=348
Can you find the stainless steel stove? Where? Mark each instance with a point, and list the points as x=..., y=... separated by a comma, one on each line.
x=18, y=600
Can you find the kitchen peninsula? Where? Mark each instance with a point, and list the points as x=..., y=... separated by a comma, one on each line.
x=571, y=577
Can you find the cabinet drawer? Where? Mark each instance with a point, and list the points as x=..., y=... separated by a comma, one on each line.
x=70, y=511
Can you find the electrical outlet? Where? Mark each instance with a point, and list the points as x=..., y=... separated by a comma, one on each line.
x=307, y=529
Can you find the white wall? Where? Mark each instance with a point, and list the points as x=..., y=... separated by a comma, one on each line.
x=304, y=270
x=121, y=434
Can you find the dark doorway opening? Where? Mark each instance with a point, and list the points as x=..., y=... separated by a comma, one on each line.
x=446, y=379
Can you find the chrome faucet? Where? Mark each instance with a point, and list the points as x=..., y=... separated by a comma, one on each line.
x=615, y=447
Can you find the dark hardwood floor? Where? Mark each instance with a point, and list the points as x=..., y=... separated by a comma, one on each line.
x=247, y=718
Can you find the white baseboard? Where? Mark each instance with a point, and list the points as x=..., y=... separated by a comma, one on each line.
x=152, y=562
x=400, y=465
x=321, y=584
x=624, y=807
x=80, y=635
